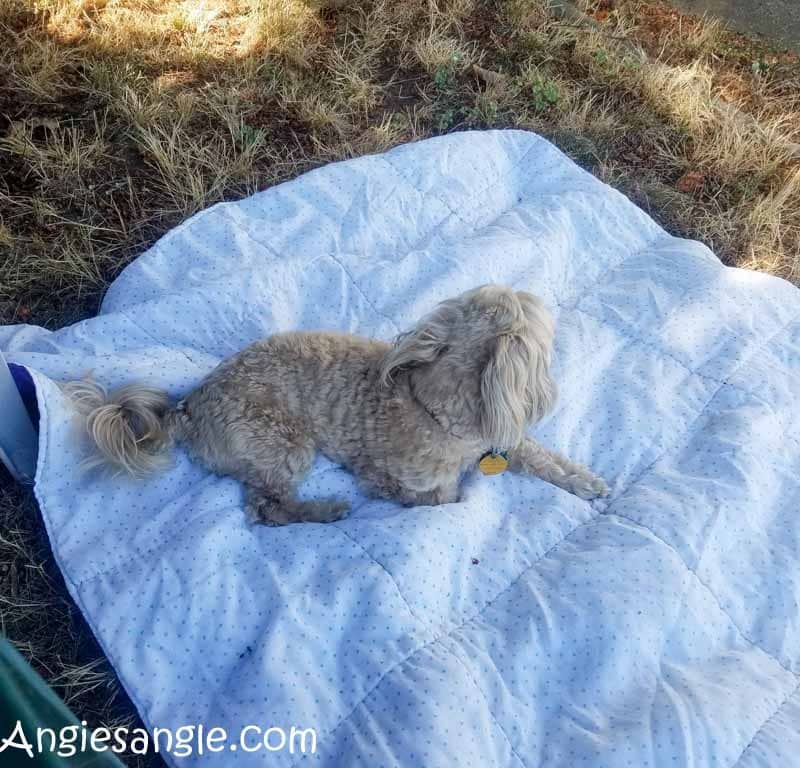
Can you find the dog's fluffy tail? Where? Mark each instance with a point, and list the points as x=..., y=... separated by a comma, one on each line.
x=129, y=426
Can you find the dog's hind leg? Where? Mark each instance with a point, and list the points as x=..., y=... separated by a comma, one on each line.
x=270, y=488
x=271, y=474
x=266, y=507
x=263, y=449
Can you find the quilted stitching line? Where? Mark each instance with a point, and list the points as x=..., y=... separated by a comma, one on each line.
x=785, y=433
x=159, y=343
x=252, y=237
x=710, y=591
x=763, y=725
x=772, y=366
x=364, y=296
x=633, y=338
x=490, y=185
x=571, y=302
x=691, y=295
x=480, y=690
x=221, y=207
x=440, y=198
x=683, y=439
x=666, y=353
x=384, y=569
x=686, y=435
x=448, y=633
x=653, y=347
x=137, y=553
x=438, y=224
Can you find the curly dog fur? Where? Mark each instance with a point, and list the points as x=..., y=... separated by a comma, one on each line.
x=409, y=419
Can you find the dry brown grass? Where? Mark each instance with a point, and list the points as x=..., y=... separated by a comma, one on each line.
x=119, y=118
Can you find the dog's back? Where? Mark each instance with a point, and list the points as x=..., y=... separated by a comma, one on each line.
x=304, y=386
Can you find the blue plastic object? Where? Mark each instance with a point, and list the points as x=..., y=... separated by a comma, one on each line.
x=18, y=414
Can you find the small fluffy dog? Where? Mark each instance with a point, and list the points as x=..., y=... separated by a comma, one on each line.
x=409, y=419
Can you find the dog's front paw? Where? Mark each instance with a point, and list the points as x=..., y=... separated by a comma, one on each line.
x=586, y=485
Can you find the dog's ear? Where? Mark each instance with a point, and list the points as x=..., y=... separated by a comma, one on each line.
x=422, y=344
x=516, y=389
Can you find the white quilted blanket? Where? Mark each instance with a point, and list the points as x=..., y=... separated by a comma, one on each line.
x=522, y=627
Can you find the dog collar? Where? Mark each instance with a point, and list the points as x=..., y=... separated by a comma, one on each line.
x=493, y=462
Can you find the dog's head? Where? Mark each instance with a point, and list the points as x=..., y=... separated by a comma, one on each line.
x=491, y=344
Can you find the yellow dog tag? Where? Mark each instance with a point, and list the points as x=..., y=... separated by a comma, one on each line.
x=493, y=464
